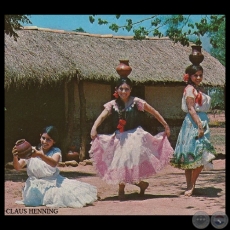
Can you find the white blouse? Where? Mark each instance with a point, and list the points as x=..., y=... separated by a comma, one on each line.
x=190, y=91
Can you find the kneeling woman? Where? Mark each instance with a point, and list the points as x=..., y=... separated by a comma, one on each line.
x=45, y=186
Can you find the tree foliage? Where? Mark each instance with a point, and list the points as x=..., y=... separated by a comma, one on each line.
x=179, y=28
x=218, y=43
x=182, y=29
x=218, y=98
x=13, y=23
x=80, y=29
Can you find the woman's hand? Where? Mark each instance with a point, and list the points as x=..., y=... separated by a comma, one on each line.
x=14, y=151
x=200, y=132
x=36, y=153
x=93, y=133
x=17, y=163
x=167, y=131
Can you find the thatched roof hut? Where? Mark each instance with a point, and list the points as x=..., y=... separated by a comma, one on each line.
x=64, y=78
x=47, y=56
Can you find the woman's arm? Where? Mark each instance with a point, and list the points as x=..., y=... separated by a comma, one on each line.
x=52, y=161
x=190, y=101
x=97, y=123
x=18, y=164
x=158, y=116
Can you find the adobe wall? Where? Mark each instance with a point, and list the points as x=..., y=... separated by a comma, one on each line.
x=167, y=100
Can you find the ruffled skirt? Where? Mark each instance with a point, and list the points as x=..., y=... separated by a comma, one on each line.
x=130, y=156
x=55, y=190
x=192, y=152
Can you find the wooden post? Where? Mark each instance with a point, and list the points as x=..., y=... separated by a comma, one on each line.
x=83, y=121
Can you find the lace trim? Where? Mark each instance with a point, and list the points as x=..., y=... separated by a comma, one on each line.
x=117, y=110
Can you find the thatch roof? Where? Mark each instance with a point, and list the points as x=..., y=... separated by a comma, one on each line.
x=47, y=56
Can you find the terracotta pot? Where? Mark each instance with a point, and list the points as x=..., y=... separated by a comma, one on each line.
x=24, y=148
x=196, y=57
x=123, y=69
x=72, y=155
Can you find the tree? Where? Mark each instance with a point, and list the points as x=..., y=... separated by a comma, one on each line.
x=179, y=28
x=218, y=98
x=80, y=29
x=13, y=22
x=183, y=29
x=218, y=43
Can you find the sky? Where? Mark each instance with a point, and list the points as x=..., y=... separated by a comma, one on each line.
x=72, y=22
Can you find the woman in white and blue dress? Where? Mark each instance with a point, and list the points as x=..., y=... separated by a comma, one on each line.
x=44, y=185
x=193, y=151
x=129, y=154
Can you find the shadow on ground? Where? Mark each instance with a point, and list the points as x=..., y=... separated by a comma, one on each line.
x=19, y=176
x=207, y=192
x=136, y=196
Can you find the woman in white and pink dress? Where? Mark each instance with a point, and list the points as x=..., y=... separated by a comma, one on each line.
x=130, y=154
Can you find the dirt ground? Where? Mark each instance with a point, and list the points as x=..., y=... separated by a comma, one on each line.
x=164, y=196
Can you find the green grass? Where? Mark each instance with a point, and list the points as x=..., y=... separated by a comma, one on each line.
x=217, y=139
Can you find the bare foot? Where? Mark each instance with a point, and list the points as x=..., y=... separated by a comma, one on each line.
x=143, y=186
x=189, y=192
x=121, y=192
x=121, y=195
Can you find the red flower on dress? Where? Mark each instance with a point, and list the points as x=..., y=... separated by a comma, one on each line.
x=198, y=99
x=185, y=77
x=116, y=95
x=121, y=125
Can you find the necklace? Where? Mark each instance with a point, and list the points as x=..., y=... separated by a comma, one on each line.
x=122, y=119
x=122, y=114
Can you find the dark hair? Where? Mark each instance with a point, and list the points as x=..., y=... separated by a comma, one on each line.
x=119, y=82
x=192, y=69
x=52, y=132
x=123, y=80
